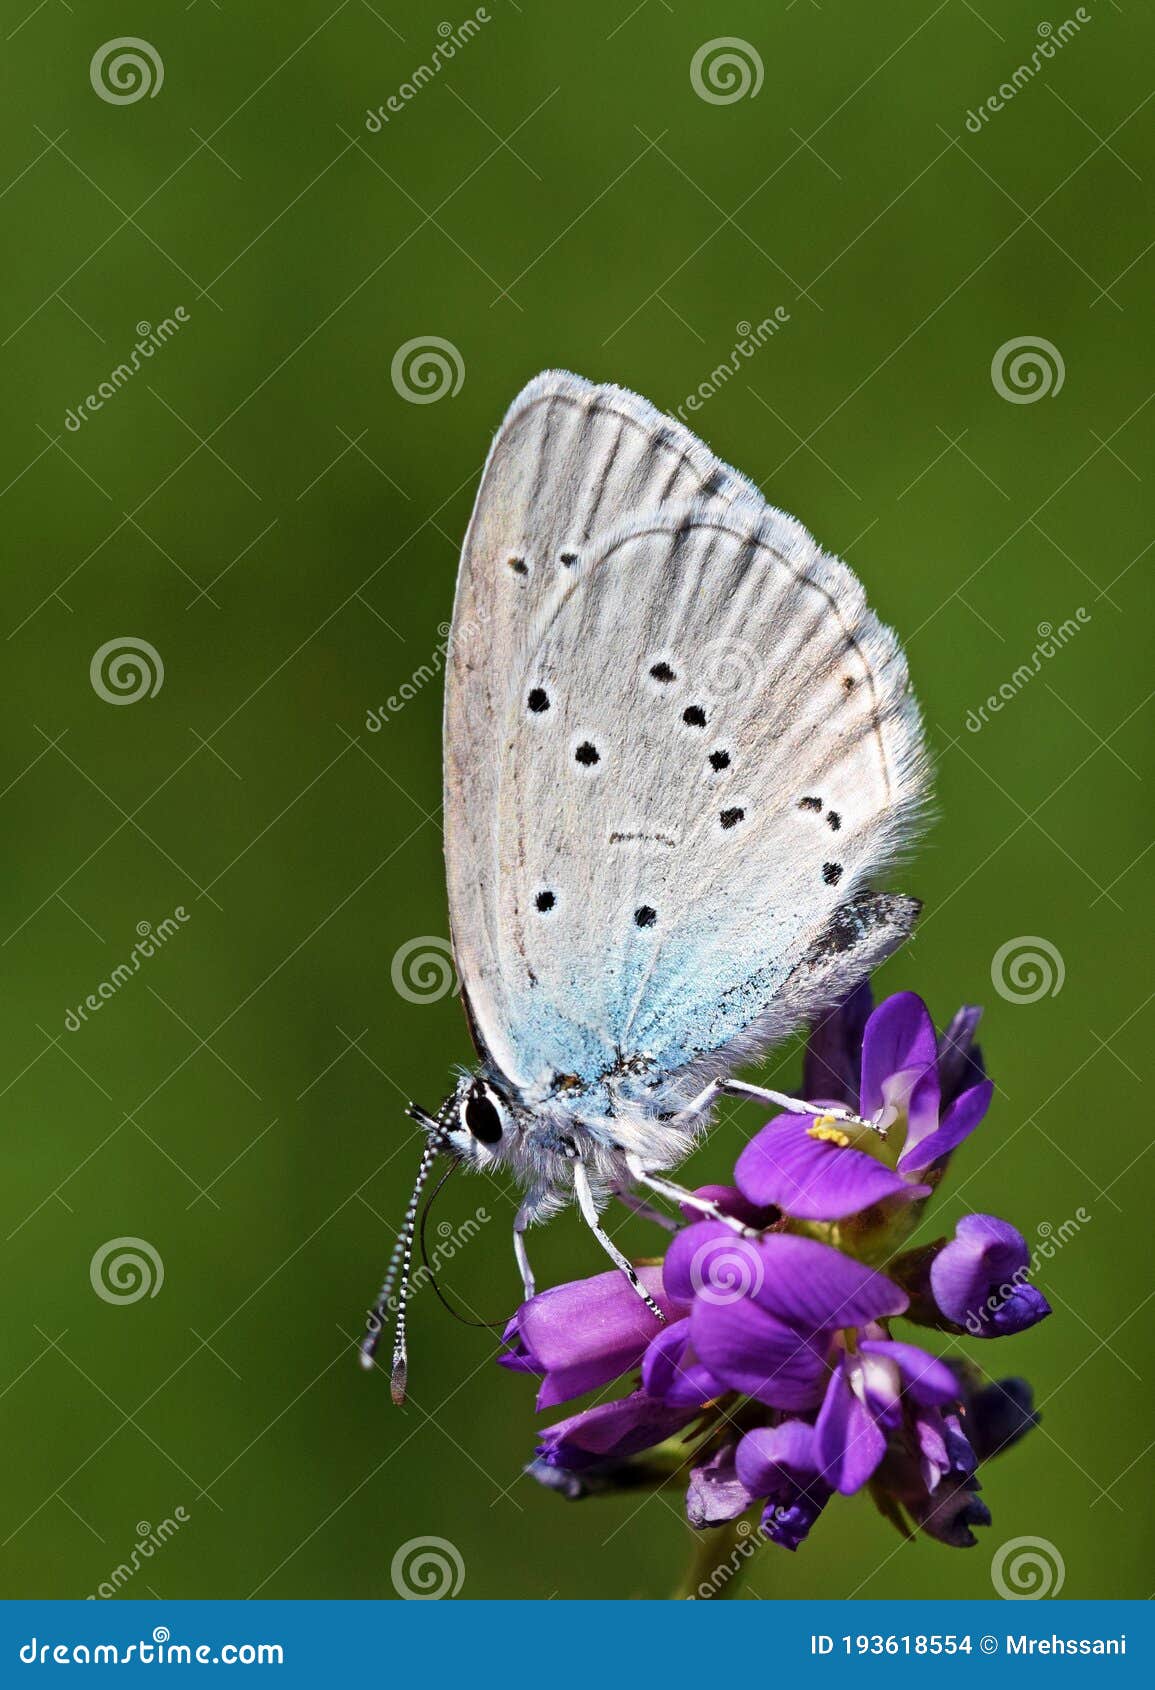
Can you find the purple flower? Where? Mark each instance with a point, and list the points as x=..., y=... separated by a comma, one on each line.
x=871, y=1390
x=998, y=1415
x=610, y=1432
x=776, y=1379
x=781, y=1463
x=922, y=1091
x=764, y=1313
x=716, y=1492
x=979, y=1279
x=582, y=1335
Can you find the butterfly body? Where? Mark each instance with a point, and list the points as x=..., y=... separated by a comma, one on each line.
x=678, y=749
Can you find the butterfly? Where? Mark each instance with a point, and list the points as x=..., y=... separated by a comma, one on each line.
x=678, y=749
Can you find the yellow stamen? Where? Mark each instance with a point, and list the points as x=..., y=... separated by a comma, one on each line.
x=825, y=1131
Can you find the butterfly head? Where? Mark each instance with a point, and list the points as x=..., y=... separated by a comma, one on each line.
x=472, y=1124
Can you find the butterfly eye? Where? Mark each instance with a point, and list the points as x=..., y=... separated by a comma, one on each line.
x=482, y=1118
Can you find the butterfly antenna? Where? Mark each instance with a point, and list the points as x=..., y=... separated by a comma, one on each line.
x=490, y=1325
x=397, y=1273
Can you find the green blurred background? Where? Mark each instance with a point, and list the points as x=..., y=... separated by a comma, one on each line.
x=265, y=508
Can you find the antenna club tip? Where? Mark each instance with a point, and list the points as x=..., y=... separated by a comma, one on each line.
x=398, y=1382
x=366, y=1359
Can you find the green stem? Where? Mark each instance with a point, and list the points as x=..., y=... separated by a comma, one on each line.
x=721, y=1554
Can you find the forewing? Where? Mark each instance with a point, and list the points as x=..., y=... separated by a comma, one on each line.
x=570, y=460
x=676, y=745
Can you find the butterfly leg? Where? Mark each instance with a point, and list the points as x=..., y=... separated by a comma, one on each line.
x=646, y=1210
x=779, y=1100
x=682, y=1194
x=520, y=1222
x=797, y=1105
x=589, y=1214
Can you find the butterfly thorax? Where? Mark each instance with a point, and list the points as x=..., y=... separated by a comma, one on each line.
x=488, y=1123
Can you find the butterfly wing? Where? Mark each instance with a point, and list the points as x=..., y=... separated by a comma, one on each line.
x=677, y=746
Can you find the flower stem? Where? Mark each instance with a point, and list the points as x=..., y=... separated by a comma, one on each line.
x=718, y=1562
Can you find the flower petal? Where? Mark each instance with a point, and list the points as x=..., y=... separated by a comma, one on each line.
x=812, y=1178
x=960, y=1061
x=979, y=1279
x=788, y=1524
x=749, y=1350
x=668, y=1373
x=925, y=1379
x=610, y=1432
x=817, y=1289
x=716, y=1493
x=958, y=1123
x=691, y=1247
x=585, y=1333
x=833, y=1059
x=999, y=1415
x=950, y=1512
x=848, y=1442
x=898, y=1049
x=731, y=1202
x=770, y=1455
